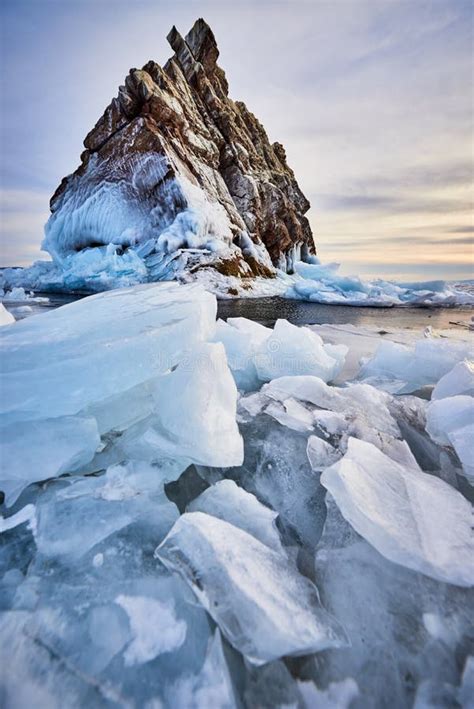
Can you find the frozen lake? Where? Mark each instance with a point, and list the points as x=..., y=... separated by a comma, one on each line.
x=268, y=310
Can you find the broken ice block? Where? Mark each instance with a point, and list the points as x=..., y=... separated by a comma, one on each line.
x=6, y=318
x=460, y=380
x=194, y=413
x=383, y=608
x=262, y=605
x=292, y=350
x=212, y=687
x=242, y=339
x=411, y=518
x=233, y=504
x=402, y=369
x=450, y=422
x=73, y=520
x=90, y=368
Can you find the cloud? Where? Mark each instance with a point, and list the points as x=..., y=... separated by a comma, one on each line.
x=404, y=241
x=393, y=204
x=467, y=229
x=403, y=270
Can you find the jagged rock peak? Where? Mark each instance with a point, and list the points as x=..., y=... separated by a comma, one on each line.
x=201, y=41
x=183, y=176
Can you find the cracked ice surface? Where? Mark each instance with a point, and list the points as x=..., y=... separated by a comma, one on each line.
x=320, y=551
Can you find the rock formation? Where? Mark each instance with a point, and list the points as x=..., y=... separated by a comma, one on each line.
x=183, y=176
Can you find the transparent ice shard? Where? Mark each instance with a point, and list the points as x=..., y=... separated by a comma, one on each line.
x=262, y=605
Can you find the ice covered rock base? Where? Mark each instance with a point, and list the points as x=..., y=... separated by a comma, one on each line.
x=195, y=514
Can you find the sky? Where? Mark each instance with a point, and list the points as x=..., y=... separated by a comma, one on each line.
x=372, y=99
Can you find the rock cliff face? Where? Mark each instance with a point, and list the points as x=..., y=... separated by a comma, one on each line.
x=183, y=176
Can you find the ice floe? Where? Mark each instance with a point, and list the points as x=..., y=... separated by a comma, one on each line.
x=6, y=318
x=77, y=517
x=401, y=369
x=258, y=354
x=231, y=503
x=292, y=350
x=242, y=340
x=321, y=283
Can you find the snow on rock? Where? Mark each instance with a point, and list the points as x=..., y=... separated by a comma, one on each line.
x=231, y=503
x=400, y=369
x=450, y=422
x=460, y=380
x=103, y=364
x=411, y=518
x=6, y=318
x=261, y=604
x=321, y=283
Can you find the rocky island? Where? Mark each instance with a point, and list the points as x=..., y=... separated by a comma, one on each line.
x=176, y=177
